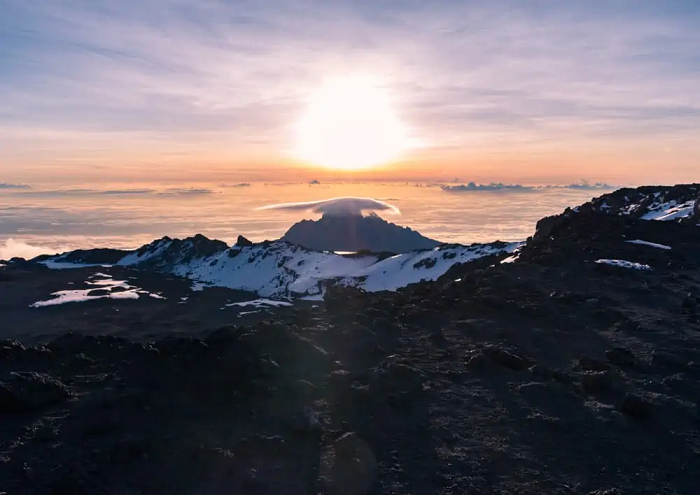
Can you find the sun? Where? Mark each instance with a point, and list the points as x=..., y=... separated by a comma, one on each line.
x=350, y=124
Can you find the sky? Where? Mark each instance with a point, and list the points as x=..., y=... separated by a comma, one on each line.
x=183, y=91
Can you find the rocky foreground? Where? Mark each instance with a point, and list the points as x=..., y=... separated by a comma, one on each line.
x=551, y=373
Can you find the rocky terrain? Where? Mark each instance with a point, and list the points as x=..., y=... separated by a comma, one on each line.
x=557, y=369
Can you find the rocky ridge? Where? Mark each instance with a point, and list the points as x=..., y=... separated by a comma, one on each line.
x=282, y=269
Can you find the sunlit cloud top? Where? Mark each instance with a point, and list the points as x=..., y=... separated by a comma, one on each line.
x=337, y=206
x=80, y=80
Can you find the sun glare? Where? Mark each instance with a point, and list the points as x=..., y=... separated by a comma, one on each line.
x=349, y=124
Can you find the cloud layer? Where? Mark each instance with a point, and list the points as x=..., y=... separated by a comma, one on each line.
x=19, y=249
x=337, y=206
x=5, y=185
x=499, y=186
x=494, y=186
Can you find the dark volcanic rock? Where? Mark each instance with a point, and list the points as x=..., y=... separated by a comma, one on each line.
x=100, y=292
x=10, y=349
x=637, y=202
x=348, y=467
x=505, y=358
x=243, y=242
x=668, y=360
x=590, y=364
x=25, y=391
x=620, y=356
x=421, y=376
x=478, y=361
x=92, y=256
x=635, y=406
x=356, y=233
x=400, y=377
x=594, y=382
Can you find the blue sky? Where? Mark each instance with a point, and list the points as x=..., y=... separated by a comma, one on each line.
x=85, y=84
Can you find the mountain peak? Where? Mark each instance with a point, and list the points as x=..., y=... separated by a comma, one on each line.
x=350, y=231
x=243, y=241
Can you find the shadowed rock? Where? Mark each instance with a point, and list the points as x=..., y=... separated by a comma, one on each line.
x=356, y=233
x=348, y=466
x=25, y=391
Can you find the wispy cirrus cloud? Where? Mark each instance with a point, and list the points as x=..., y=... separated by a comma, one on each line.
x=88, y=192
x=89, y=79
x=5, y=185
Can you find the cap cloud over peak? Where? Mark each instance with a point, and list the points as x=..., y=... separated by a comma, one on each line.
x=343, y=206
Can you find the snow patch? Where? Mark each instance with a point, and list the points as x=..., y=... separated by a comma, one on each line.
x=650, y=244
x=670, y=210
x=314, y=297
x=624, y=264
x=281, y=269
x=67, y=265
x=260, y=303
x=199, y=286
x=146, y=253
x=511, y=259
x=125, y=291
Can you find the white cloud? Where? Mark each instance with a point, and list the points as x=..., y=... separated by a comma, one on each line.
x=19, y=249
x=337, y=206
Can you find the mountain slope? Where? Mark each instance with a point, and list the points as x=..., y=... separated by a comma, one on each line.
x=281, y=269
x=680, y=203
x=356, y=233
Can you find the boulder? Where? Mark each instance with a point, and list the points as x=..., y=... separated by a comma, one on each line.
x=11, y=349
x=543, y=372
x=635, y=406
x=26, y=391
x=546, y=226
x=667, y=360
x=591, y=364
x=98, y=293
x=505, y=358
x=399, y=377
x=596, y=381
x=689, y=304
x=606, y=491
x=348, y=467
x=478, y=361
x=696, y=209
x=621, y=356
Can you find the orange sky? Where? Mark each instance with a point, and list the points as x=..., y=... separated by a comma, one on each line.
x=110, y=91
x=623, y=163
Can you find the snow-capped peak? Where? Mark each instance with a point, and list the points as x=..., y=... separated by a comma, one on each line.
x=281, y=269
